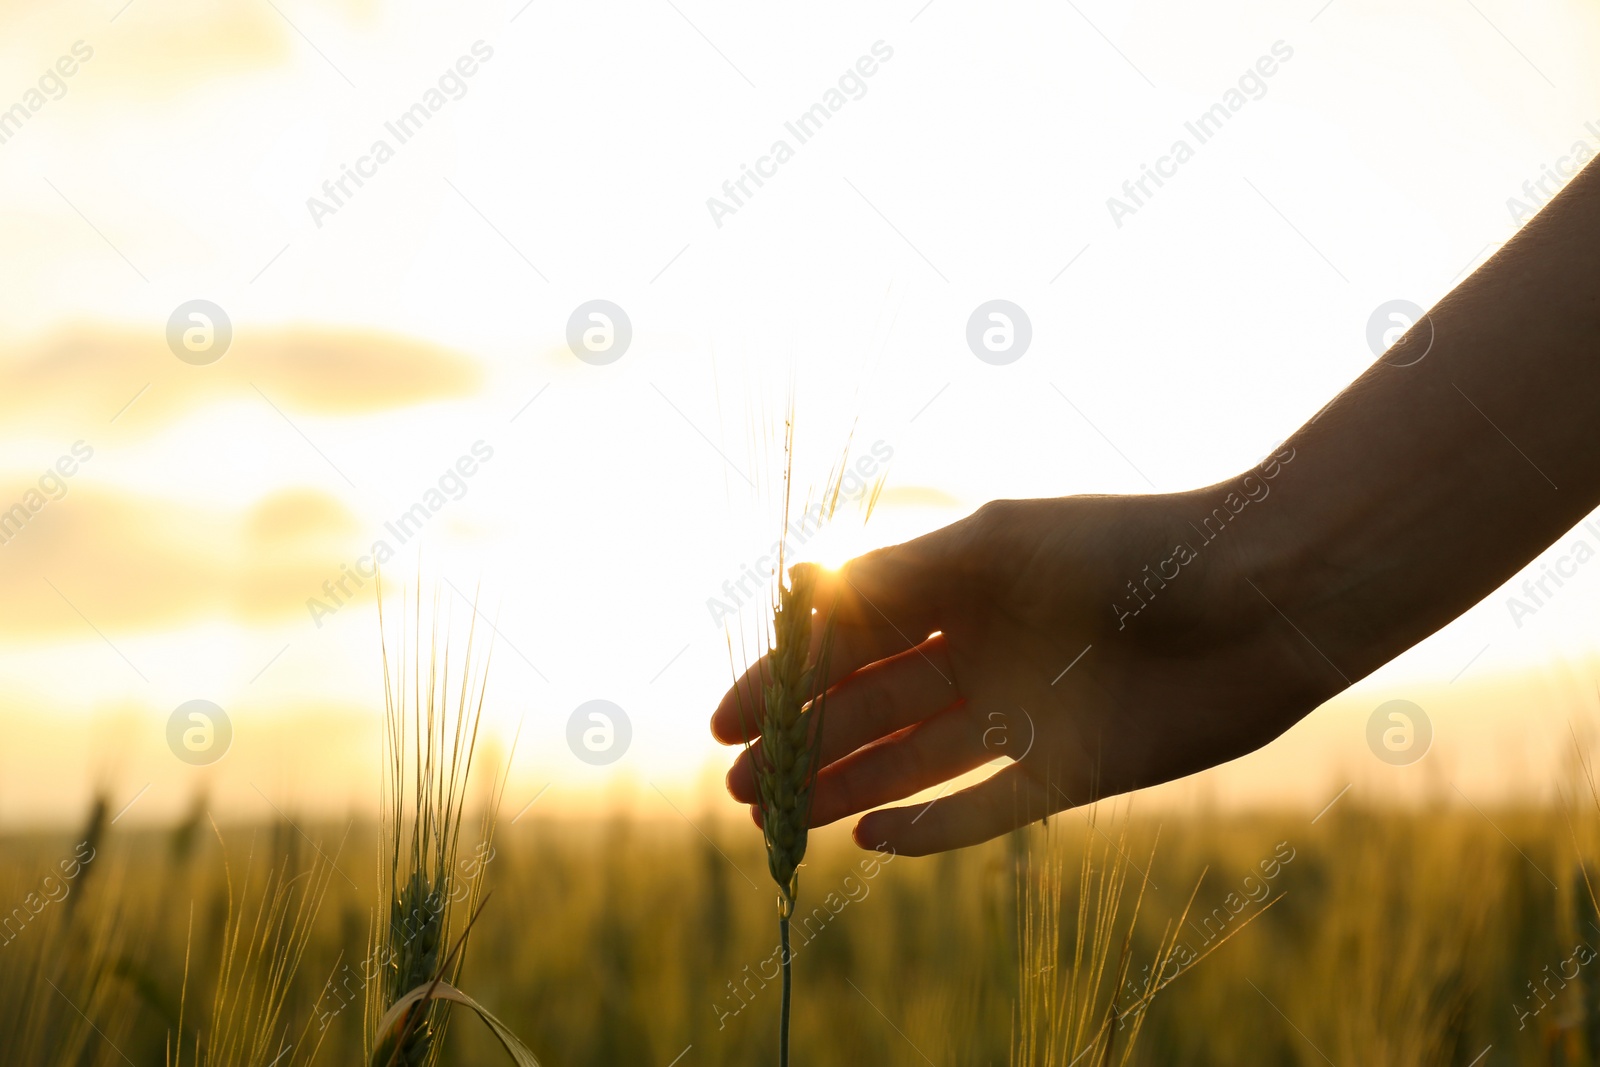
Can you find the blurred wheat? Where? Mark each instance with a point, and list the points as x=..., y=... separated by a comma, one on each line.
x=1390, y=938
x=1401, y=938
x=430, y=737
x=266, y=934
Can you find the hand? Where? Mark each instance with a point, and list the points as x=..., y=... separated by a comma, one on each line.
x=1039, y=651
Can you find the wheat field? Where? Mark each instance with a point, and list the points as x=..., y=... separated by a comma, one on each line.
x=1374, y=937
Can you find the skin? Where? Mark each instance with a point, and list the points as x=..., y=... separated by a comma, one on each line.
x=1470, y=447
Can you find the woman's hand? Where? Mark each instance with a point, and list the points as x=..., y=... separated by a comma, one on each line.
x=1066, y=636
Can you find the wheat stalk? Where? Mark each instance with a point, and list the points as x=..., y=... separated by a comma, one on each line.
x=429, y=747
x=1070, y=1010
x=262, y=948
x=789, y=721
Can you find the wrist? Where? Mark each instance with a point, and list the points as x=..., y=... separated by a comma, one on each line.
x=1272, y=574
x=1326, y=566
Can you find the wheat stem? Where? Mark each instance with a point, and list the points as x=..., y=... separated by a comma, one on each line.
x=783, y=1017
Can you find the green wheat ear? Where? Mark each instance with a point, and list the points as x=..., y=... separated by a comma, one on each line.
x=416, y=935
x=791, y=731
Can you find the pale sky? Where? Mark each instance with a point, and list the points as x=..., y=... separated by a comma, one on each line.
x=376, y=345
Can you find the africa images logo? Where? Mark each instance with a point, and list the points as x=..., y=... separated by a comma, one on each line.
x=803, y=128
x=1251, y=85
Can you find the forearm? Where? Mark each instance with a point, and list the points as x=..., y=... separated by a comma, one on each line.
x=1421, y=488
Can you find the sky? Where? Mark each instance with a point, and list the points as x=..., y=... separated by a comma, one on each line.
x=407, y=340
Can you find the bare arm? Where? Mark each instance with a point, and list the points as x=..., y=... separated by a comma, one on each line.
x=1421, y=488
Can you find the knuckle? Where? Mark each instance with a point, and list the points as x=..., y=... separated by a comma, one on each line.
x=995, y=516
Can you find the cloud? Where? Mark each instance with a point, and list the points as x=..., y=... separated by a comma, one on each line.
x=176, y=46
x=84, y=377
x=132, y=563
